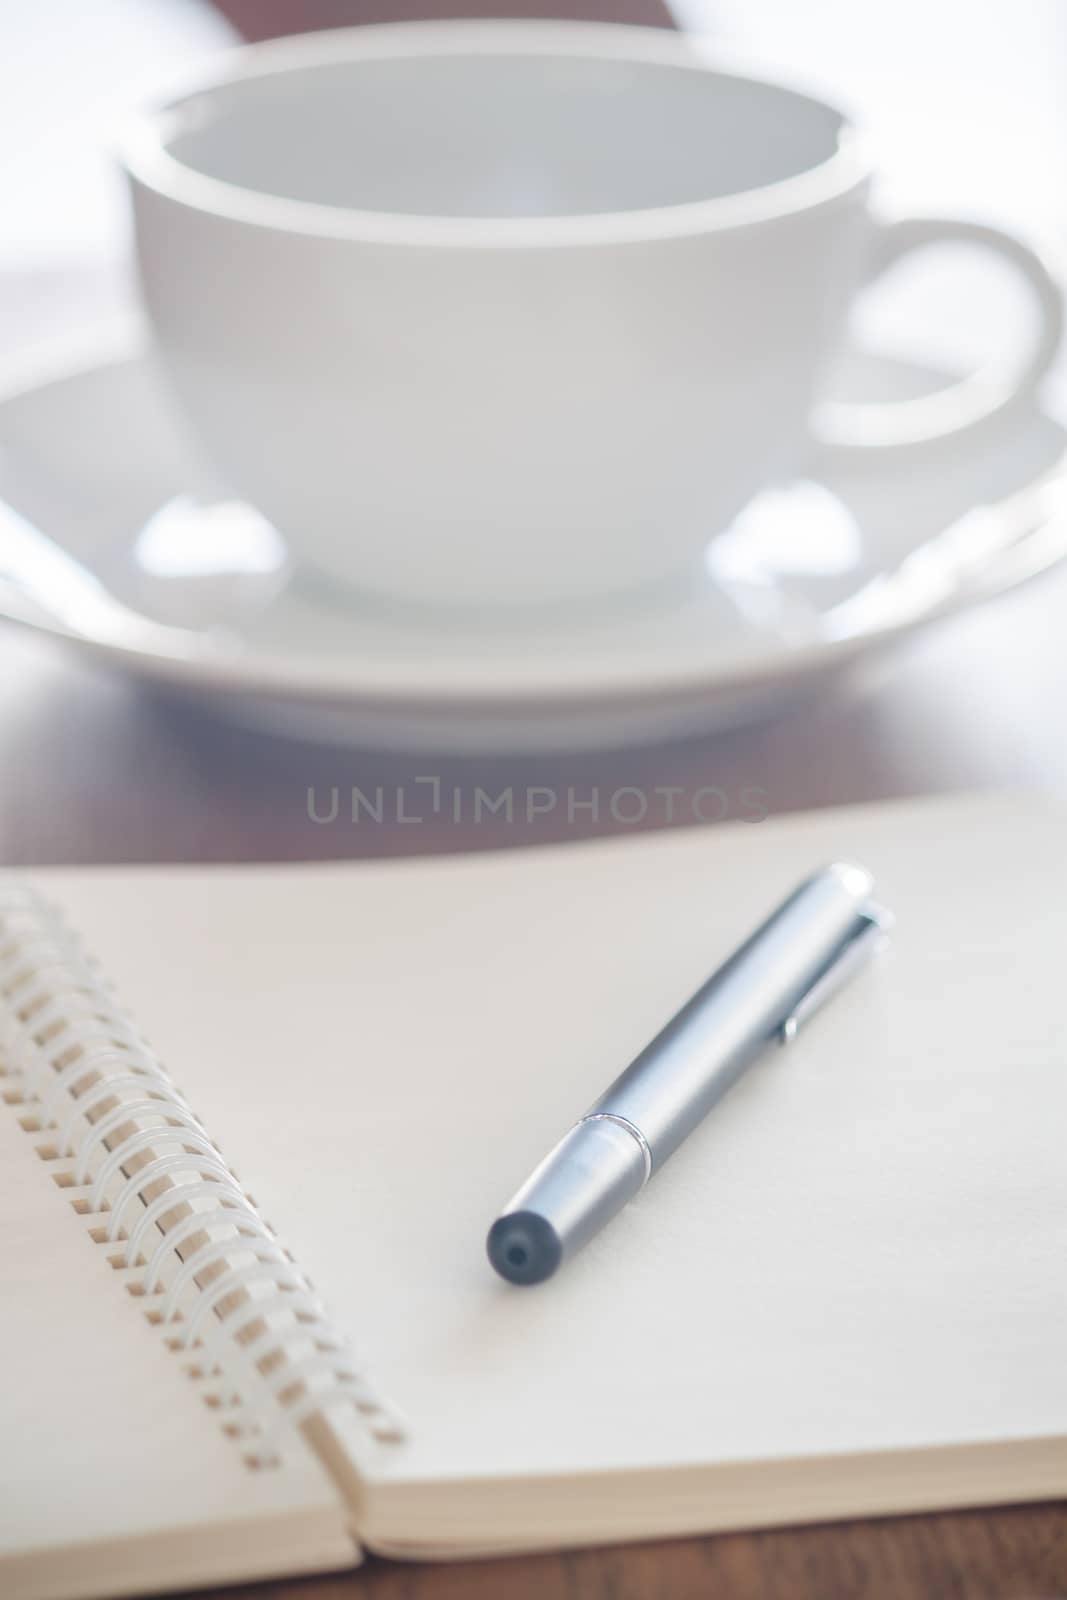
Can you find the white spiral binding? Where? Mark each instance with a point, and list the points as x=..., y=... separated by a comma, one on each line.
x=215, y=1275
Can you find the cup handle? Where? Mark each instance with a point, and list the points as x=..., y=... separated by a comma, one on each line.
x=969, y=402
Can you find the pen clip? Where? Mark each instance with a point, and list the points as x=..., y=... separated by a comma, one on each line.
x=872, y=934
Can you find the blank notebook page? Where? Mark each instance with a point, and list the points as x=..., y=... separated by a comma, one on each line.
x=861, y=1250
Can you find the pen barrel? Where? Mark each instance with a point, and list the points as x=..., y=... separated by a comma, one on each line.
x=676, y=1080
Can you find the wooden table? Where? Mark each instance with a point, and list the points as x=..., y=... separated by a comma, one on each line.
x=91, y=769
x=1011, y=1555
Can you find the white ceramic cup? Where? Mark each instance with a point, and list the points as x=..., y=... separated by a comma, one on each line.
x=517, y=313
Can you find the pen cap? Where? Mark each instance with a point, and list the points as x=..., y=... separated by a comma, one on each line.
x=590, y=1175
x=669, y=1088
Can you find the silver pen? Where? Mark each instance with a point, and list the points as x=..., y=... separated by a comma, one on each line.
x=765, y=991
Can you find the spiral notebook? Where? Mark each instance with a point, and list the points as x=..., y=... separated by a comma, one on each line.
x=256, y=1122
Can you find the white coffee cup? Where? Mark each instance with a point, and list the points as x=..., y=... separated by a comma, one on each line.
x=517, y=313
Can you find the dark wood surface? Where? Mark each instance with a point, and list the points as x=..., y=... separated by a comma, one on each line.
x=1017, y=1554
x=262, y=19
x=93, y=769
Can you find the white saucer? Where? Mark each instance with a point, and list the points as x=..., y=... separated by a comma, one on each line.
x=185, y=587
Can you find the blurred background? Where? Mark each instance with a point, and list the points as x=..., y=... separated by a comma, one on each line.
x=966, y=108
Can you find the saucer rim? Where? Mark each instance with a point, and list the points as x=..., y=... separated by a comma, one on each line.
x=122, y=343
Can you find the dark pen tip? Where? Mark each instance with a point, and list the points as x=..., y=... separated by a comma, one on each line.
x=523, y=1247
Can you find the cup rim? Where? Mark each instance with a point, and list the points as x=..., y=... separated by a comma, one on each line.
x=144, y=154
